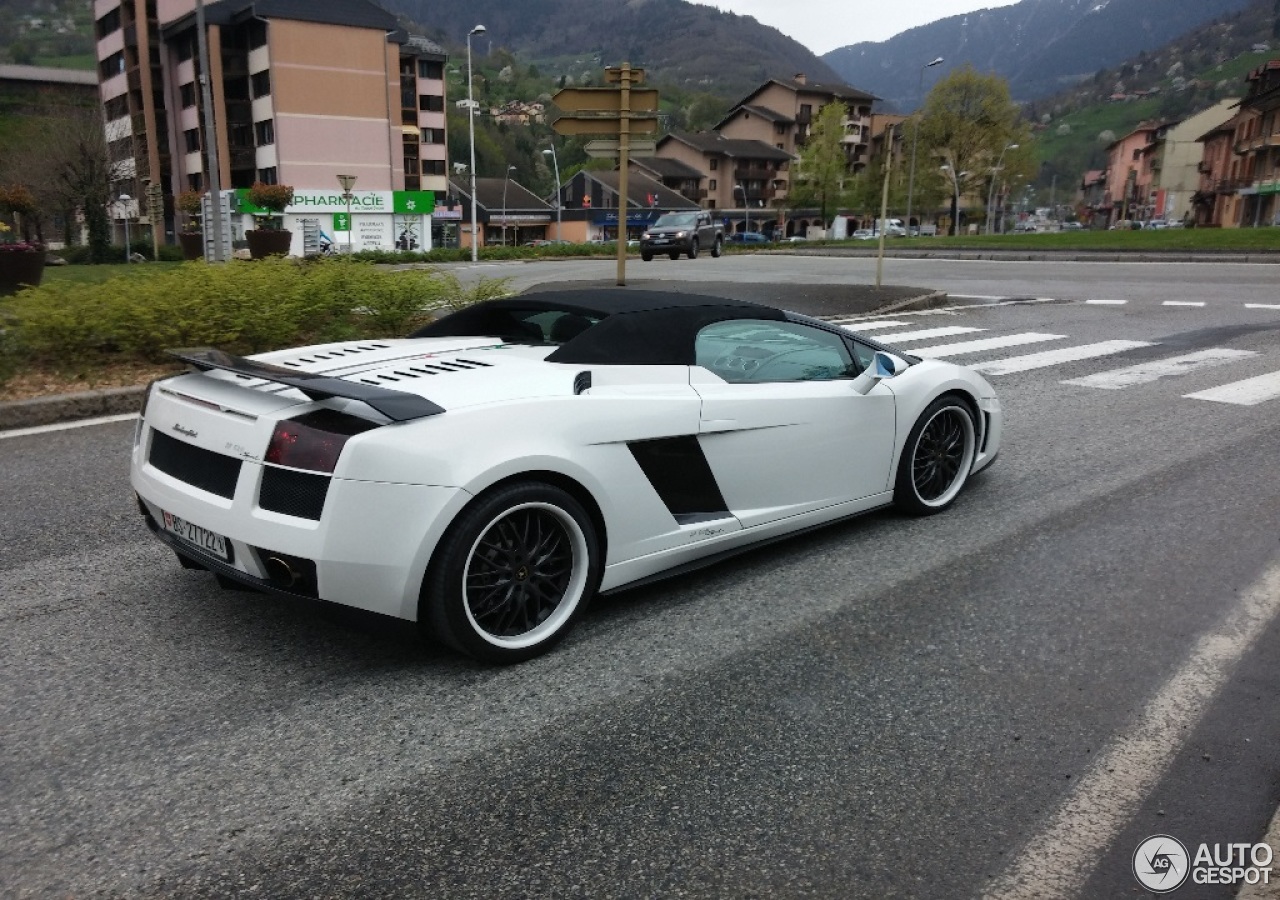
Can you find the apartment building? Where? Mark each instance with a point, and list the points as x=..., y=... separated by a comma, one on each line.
x=1131, y=165
x=1177, y=159
x=739, y=176
x=1257, y=144
x=781, y=114
x=302, y=91
x=1216, y=202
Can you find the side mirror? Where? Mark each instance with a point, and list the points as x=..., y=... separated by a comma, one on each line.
x=883, y=365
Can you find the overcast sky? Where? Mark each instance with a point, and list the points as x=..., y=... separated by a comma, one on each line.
x=824, y=25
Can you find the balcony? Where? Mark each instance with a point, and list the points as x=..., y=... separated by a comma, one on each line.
x=752, y=173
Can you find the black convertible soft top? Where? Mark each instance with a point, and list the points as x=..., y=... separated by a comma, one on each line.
x=633, y=327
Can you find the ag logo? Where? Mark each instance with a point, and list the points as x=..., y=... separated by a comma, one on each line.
x=1161, y=864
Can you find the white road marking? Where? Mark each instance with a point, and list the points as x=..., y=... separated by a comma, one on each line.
x=1143, y=373
x=1262, y=306
x=1056, y=357
x=1183, y=303
x=1249, y=392
x=1056, y=862
x=66, y=426
x=868, y=325
x=995, y=343
x=1106, y=302
x=930, y=333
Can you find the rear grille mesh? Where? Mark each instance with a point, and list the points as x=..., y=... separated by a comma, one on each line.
x=293, y=493
x=194, y=465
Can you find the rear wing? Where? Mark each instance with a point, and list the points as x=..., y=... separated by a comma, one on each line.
x=397, y=406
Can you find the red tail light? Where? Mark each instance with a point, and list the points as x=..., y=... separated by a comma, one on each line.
x=314, y=441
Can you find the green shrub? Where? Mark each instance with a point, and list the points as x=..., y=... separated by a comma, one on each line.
x=243, y=307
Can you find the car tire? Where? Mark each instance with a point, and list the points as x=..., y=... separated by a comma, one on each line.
x=716, y=249
x=693, y=249
x=512, y=574
x=647, y=257
x=936, y=458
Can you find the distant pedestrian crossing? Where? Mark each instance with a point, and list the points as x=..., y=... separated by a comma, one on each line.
x=977, y=349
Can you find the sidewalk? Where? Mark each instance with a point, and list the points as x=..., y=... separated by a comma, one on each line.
x=810, y=299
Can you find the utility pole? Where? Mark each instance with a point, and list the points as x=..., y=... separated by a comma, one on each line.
x=213, y=179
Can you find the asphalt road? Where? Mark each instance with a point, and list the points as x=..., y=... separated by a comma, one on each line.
x=1003, y=700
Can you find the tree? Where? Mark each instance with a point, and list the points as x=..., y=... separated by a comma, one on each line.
x=819, y=177
x=968, y=121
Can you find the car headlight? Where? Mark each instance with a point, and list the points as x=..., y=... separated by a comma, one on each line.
x=680, y=234
x=645, y=236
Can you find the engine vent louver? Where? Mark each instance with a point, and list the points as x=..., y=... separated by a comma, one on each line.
x=194, y=465
x=440, y=367
x=338, y=353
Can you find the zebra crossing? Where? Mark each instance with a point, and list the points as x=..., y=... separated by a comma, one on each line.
x=972, y=345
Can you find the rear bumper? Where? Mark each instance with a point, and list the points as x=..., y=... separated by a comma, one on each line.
x=369, y=548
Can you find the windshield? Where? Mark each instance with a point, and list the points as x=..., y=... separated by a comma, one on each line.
x=676, y=220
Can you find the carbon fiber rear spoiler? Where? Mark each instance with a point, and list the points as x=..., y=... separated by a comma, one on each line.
x=397, y=406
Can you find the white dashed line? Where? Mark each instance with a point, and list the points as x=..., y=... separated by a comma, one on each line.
x=1106, y=302
x=1056, y=357
x=1249, y=392
x=1146, y=372
x=995, y=343
x=1262, y=306
x=1183, y=303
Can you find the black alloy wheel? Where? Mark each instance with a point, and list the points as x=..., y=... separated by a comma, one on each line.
x=937, y=457
x=693, y=249
x=512, y=574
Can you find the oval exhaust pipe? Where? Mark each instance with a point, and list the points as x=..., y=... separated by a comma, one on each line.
x=280, y=571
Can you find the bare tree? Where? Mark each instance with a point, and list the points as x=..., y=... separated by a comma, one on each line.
x=65, y=163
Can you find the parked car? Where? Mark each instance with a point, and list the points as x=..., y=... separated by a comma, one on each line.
x=864, y=234
x=682, y=232
x=487, y=475
x=748, y=237
x=1072, y=226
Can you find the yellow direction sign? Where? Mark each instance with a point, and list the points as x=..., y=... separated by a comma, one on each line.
x=605, y=125
x=613, y=75
x=604, y=100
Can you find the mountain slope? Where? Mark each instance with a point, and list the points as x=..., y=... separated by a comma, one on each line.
x=1040, y=46
x=680, y=43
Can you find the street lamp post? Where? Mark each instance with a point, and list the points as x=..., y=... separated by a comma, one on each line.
x=505, y=182
x=915, y=140
x=556, y=164
x=746, y=207
x=125, y=199
x=471, y=128
x=348, y=182
x=955, y=193
x=991, y=194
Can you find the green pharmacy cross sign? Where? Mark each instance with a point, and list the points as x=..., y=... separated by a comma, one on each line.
x=341, y=222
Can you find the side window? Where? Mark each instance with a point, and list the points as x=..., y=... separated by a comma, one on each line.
x=754, y=350
x=863, y=355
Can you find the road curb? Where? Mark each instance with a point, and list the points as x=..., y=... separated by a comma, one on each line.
x=69, y=407
x=924, y=301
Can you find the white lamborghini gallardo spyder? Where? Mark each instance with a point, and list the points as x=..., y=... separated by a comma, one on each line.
x=489, y=474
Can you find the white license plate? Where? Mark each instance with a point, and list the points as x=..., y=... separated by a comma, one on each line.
x=200, y=538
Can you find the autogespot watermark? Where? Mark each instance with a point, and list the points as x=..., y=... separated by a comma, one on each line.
x=1162, y=864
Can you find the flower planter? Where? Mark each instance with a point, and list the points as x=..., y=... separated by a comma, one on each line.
x=20, y=268
x=192, y=243
x=263, y=243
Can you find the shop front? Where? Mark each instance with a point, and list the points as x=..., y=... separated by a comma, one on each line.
x=324, y=221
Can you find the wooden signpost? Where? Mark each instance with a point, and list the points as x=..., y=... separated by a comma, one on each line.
x=612, y=112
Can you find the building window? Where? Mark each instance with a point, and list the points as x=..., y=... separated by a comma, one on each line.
x=261, y=83
x=240, y=135
x=433, y=135
x=430, y=68
x=711, y=185
x=264, y=133
x=715, y=164
x=711, y=204
x=433, y=167
x=268, y=176
x=186, y=48
x=431, y=103
x=117, y=107
x=192, y=137
x=113, y=65
x=195, y=181
x=188, y=93
x=108, y=23
x=780, y=128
